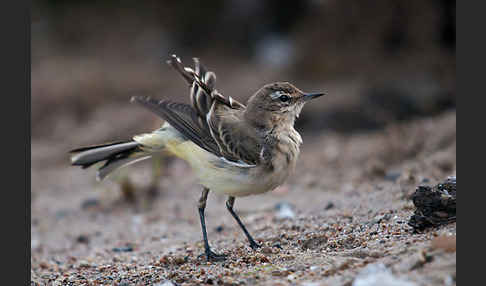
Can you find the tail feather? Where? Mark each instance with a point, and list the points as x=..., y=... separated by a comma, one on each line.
x=115, y=155
x=112, y=165
x=84, y=148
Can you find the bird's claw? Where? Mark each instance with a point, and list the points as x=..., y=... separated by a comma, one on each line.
x=213, y=257
x=254, y=245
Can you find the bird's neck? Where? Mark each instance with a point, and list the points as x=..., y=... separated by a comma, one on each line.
x=267, y=121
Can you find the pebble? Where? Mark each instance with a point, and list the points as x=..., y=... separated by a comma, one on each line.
x=82, y=239
x=267, y=250
x=378, y=275
x=329, y=206
x=127, y=248
x=314, y=242
x=285, y=210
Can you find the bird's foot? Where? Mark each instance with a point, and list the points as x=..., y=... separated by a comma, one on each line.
x=254, y=245
x=213, y=257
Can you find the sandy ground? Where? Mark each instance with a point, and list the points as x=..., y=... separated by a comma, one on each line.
x=347, y=208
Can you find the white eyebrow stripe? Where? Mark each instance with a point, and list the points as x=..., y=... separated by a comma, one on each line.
x=276, y=94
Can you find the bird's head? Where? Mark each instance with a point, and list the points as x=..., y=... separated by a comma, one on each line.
x=277, y=103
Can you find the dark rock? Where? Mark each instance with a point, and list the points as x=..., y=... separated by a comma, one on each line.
x=434, y=205
x=82, y=239
x=329, y=206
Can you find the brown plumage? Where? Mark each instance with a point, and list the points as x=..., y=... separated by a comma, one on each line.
x=224, y=126
x=233, y=149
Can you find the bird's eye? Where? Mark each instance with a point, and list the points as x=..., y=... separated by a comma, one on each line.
x=284, y=98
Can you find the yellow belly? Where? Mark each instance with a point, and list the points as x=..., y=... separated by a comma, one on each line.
x=219, y=176
x=213, y=172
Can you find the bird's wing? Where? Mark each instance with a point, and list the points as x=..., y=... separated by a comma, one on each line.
x=200, y=122
x=183, y=118
x=235, y=139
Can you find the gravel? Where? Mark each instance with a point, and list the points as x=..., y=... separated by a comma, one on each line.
x=157, y=240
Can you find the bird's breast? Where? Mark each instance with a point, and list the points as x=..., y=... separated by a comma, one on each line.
x=286, y=150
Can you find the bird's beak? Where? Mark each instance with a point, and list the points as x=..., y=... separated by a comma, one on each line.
x=309, y=96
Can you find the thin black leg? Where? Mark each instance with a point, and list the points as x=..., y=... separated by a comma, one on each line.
x=211, y=256
x=229, y=205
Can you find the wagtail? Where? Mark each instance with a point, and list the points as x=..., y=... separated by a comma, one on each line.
x=234, y=149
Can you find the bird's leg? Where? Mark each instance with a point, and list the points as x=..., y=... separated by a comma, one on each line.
x=211, y=256
x=229, y=205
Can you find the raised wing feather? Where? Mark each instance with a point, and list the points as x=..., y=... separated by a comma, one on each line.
x=203, y=92
x=212, y=121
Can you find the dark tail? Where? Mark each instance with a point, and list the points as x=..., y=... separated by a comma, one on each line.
x=115, y=155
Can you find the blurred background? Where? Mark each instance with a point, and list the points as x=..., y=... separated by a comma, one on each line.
x=379, y=61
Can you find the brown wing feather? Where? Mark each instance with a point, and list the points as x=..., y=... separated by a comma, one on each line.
x=234, y=138
x=218, y=132
x=203, y=91
x=183, y=118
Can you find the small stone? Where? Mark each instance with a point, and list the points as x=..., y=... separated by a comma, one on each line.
x=127, y=248
x=378, y=274
x=281, y=272
x=285, y=210
x=267, y=250
x=329, y=206
x=84, y=263
x=82, y=239
x=291, y=277
x=314, y=242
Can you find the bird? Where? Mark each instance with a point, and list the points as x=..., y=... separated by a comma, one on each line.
x=234, y=149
